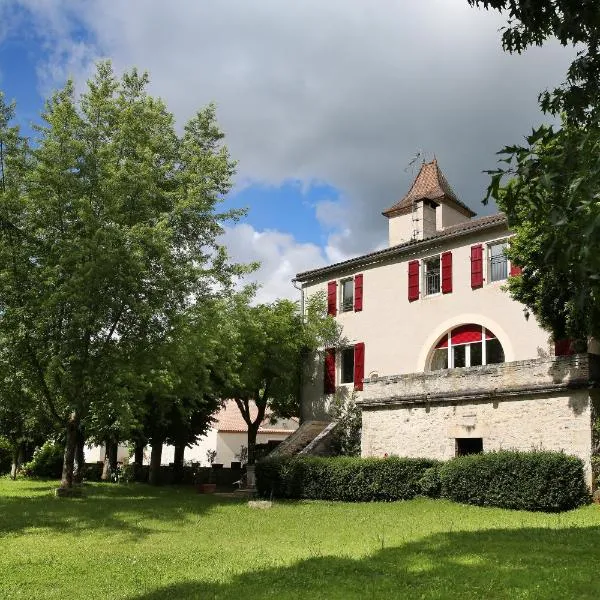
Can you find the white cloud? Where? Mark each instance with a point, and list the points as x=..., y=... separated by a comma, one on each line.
x=344, y=91
x=281, y=257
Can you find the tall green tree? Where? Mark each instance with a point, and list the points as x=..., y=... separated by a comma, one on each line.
x=549, y=186
x=269, y=348
x=573, y=23
x=109, y=231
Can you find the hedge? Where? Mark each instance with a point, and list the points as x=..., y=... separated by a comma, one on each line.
x=536, y=481
x=348, y=479
x=47, y=461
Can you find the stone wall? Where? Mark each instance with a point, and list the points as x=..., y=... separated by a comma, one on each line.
x=540, y=375
x=537, y=404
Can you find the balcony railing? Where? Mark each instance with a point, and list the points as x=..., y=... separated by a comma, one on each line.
x=432, y=282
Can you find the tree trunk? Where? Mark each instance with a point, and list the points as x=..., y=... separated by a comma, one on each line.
x=110, y=460
x=155, y=457
x=66, y=481
x=79, y=469
x=17, y=459
x=138, y=460
x=178, y=463
x=252, y=431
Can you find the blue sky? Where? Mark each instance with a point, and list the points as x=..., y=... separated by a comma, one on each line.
x=323, y=104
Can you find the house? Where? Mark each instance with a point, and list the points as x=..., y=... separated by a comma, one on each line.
x=229, y=434
x=440, y=358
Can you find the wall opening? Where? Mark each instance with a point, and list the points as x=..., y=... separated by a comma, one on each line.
x=465, y=446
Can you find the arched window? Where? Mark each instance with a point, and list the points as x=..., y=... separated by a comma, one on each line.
x=466, y=346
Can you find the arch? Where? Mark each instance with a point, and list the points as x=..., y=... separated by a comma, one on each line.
x=450, y=324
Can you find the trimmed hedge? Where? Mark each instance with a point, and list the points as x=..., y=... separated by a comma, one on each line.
x=536, y=481
x=349, y=479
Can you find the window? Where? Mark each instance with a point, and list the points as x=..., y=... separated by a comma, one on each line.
x=466, y=446
x=347, y=366
x=431, y=275
x=347, y=295
x=466, y=346
x=497, y=261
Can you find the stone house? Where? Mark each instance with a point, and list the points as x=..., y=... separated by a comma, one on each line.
x=442, y=361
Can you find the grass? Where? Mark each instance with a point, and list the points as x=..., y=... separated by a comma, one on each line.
x=136, y=542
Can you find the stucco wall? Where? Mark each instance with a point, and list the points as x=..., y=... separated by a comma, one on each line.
x=560, y=422
x=399, y=334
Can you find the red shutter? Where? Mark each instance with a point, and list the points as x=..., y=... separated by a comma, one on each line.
x=476, y=266
x=413, y=280
x=358, y=292
x=446, y=272
x=563, y=347
x=515, y=271
x=332, y=298
x=329, y=379
x=359, y=366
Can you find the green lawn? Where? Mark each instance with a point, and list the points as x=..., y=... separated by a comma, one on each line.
x=137, y=542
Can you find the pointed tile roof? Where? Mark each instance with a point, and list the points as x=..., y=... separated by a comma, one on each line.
x=429, y=184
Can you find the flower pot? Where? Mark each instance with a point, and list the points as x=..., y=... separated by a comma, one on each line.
x=217, y=465
x=236, y=465
x=207, y=488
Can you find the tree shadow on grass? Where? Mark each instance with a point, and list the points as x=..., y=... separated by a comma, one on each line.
x=110, y=507
x=532, y=563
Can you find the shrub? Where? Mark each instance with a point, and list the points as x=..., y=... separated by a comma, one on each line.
x=348, y=479
x=5, y=456
x=430, y=483
x=538, y=481
x=46, y=462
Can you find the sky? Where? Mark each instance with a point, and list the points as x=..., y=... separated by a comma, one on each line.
x=324, y=103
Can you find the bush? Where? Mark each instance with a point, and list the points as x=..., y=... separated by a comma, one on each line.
x=431, y=484
x=5, y=456
x=538, y=481
x=347, y=479
x=46, y=462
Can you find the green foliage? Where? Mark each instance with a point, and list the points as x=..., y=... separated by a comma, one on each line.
x=46, y=462
x=549, y=187
x=5, y=455
x=537, y=481
x=572, y=23
x=341, y=478
x=267, y=349
x=109, y=232
x=550, y=199
x=346, y=435
x=431, y=483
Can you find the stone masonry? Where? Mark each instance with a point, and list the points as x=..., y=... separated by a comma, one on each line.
x=545, y=403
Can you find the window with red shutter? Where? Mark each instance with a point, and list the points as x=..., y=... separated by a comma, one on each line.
x=446, y=272
x=359, y=366
x=329, y=371
x=332, y=298
x=358, y=293
x=413, y=280
x=477, y=266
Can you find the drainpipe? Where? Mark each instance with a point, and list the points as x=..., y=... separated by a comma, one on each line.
x=303, y=366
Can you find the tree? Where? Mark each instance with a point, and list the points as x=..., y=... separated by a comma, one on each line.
x=549, y=187
x=109, y=231
x=269, y=347
x=572, y=23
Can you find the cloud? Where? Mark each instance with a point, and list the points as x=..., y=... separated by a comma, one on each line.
x=344, y=91
x=280, y=257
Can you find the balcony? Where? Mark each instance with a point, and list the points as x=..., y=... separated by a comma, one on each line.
x=535, y=376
